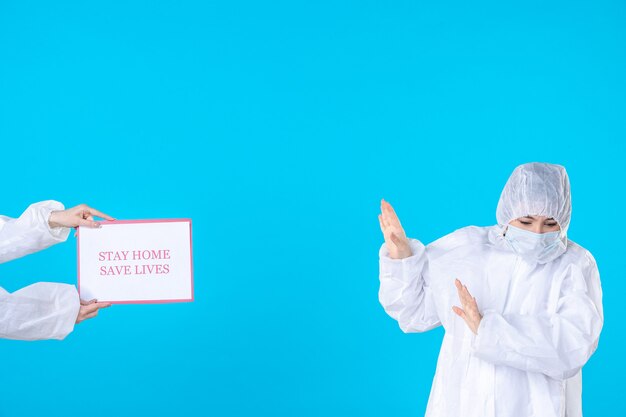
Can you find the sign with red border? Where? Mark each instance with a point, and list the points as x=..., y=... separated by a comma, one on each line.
x=136, y=261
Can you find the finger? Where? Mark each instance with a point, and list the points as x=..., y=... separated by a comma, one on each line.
x=459, y=312
x=84, y=302
x=471, y=301
x=98, y=213
x=94, y=307
x=90, y=315
x=89, y=308
x=462, y=289
x=464, y=316
x=380, y=221
x=394, y=218
x=391, y=215
x=467, y=291
x=390, y=209
x=457, y=284
x=459, y=288
x=103, y=305
x=384, y=208
x=396, y=240
x=383, y=216
x=88, y=223
x=465, y=294
x=466, y=301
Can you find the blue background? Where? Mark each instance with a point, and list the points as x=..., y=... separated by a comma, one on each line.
x=278, y=127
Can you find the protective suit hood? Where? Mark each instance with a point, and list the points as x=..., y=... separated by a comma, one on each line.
x=537, y=189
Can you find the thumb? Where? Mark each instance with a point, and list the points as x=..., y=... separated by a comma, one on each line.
x=396, y=240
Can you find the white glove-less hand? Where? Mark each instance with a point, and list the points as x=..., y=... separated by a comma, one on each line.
x=395, y=238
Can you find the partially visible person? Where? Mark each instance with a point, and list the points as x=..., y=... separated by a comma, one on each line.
x=43, y=310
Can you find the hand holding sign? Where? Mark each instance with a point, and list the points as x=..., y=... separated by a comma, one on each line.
x=89, y=309
x=81, y=215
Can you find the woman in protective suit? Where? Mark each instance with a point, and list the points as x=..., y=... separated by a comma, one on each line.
x=43, y=310
x=521, y=304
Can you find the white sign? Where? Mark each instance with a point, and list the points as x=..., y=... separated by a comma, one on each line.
x=136, y=261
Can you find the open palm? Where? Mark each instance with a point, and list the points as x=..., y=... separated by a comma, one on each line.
x=395, y=238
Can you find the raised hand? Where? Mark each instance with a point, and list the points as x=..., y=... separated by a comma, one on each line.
x=395, y=238
x=469, y=312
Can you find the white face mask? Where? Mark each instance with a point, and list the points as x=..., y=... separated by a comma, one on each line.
x=537, y=247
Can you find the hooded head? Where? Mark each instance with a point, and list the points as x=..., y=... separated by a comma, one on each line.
x=537, y=189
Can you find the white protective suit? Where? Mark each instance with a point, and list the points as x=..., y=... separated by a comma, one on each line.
x=44, y=310
x=541, y=321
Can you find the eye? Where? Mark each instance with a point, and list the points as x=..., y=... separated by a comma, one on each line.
x=551, y=224
x=526, y=223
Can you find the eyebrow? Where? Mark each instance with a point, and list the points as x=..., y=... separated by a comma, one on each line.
x=531, y=217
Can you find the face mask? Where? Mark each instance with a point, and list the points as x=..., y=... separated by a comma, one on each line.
x=538, y=247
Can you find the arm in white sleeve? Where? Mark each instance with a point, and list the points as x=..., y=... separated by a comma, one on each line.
x=556, y=344
x=30, y=232
x=404, y=293
x=40, y=311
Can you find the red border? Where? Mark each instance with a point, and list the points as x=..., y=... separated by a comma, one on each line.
x=113, y=222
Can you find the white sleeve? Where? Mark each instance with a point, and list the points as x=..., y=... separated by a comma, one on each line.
x=30, y=232
x=404, y=293
x=556, y=344
x=40, y=311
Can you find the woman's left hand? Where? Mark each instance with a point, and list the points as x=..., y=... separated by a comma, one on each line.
x=469, y=312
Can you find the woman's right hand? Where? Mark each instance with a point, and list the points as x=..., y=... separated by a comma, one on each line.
x=395, y=239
